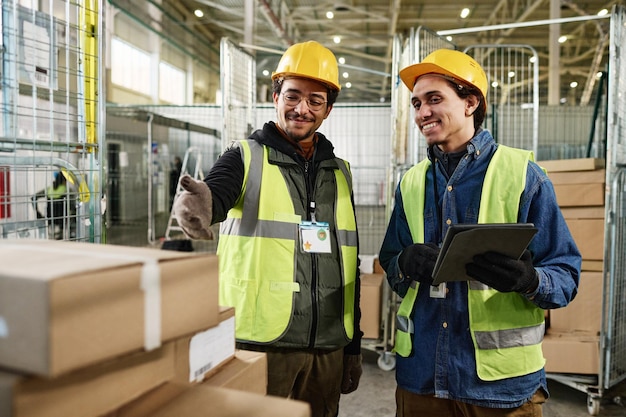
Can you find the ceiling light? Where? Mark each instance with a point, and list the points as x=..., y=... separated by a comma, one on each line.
x=511, y=74
x=599, y=74
x=449, y=38
x=330, y=15
x=603, y=12
x=532, y=59
x=342, y=60
x=562, y=38
x=573, y=84
x=494, y=84
x=337, y=39
x=465, y=12
x=345, y=75
x=198, y=13
x=266, y=73
x=348, y=85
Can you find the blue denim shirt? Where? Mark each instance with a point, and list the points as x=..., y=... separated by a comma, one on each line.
x=442, y=362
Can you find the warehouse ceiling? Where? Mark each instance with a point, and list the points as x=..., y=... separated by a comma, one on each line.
x=366, y=29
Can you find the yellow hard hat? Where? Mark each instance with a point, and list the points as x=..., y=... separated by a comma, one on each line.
x=455, y=64
x=309, y=60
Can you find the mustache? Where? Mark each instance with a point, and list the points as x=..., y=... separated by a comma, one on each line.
x=293, y=115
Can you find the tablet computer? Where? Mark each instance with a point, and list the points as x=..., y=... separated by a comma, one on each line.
x=463, y=241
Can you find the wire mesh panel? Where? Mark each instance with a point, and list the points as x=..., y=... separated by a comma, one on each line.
x=513, y=95
x=614, y=326
x=238, y=84
x=564, y=133
x=426, y=41
x=615, y=290
x=359, y=133
x=400, y=101
x=49, y=169
x=408, y=146
x=616, y=146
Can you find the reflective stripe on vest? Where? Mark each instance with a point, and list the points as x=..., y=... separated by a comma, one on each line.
x=258, y=243
x=506, y=328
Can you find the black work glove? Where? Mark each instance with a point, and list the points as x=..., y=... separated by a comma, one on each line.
x=352, y=371
x=418, y=261
x=503, y=273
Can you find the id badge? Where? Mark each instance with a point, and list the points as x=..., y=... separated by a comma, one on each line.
x=438, y=291
x=315, y=237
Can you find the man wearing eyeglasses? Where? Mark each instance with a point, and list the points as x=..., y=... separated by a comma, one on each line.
x=288, y=241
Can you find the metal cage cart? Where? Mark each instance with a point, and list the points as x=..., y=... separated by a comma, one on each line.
x=51, y=122
x=612, y=339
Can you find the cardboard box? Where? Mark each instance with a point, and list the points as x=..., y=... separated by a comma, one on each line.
x=371, y=299
x=579, y=164
x=578, y=177
x=378, y=269
x=201, y=354
x=207, y=401
x=247, y=371
x=66, y=305
x=584, y=312
x=584, y=212
x=589, y=265
x=148, y=403
x=88, y=392
x=572, y=195
x=589, y=237
x=202, y=400
x=571, y=353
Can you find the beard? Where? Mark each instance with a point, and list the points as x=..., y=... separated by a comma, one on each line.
x=298, y=135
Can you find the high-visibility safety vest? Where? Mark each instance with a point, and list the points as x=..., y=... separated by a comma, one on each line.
x=263, y=271
x=56, y=193
x=506, y=328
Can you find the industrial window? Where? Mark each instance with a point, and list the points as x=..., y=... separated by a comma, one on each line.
x=130, y=67
x=171, y=84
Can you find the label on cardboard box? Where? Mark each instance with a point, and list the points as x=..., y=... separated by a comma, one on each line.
x=210, y=348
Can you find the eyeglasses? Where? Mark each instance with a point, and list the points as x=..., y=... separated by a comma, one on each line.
x=292, y=99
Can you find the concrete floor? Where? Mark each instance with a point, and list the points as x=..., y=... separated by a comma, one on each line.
x=375, y=396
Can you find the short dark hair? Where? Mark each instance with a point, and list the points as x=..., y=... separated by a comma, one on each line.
x=464, y=91
x=277, y=85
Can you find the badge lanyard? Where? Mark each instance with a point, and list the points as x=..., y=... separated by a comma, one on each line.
x=314, y=235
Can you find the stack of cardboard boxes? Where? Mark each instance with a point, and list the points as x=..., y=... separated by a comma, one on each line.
x=91, y=330
x=571, y=343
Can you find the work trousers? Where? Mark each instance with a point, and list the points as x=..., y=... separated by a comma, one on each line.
x=310, y=375
x=410, y=405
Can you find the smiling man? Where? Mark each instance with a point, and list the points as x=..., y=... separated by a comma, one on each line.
x=288, y=245
x=471, y=348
